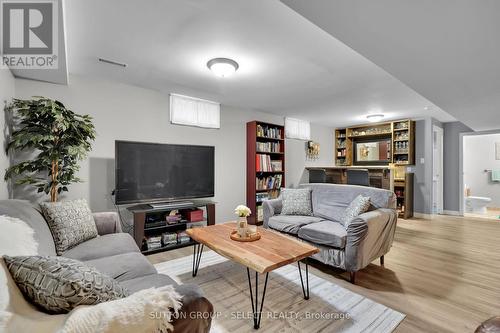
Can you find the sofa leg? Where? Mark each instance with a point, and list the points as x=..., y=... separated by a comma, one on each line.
x=353, y=277
x=382, y=261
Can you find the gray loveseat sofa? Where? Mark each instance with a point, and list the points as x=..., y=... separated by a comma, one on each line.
x=368, y=237
x=116, y=254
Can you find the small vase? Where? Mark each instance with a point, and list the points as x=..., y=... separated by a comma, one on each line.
x=242, y=226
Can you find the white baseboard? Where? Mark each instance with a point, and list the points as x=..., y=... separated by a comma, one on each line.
x=422, y=216
x=431, y=216
x=451, y=212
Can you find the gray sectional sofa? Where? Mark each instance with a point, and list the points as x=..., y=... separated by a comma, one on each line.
x=116, y=254
x=368, y=237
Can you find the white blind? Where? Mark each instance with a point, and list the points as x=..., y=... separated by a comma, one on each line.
x=297, y=129
x=190, y=111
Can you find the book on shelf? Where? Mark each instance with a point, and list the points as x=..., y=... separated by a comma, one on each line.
x=268, y=183
x=183, y=237
x=268, y=147
x=169, y=238
x=263, y=196
x=153, y=242
x=263, y=163
x=268, y=132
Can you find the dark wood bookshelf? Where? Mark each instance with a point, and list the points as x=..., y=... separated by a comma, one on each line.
x=254, y=138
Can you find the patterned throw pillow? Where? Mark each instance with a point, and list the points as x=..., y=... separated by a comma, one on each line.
x=70, y=222
x=296, y=202
x=357, y=207
x=59, y=284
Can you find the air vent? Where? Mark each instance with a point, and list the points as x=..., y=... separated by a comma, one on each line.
x=111, y=62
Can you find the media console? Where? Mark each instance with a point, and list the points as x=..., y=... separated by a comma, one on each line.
x=151, y=221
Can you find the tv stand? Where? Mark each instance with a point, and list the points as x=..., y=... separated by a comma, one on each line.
x=174, y=204
x=147, y=212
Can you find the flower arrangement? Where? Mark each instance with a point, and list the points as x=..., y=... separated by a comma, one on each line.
x=242, y=211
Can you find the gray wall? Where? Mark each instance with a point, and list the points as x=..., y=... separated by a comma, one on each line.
x=125, y=112
x=451, y=154
x=6, y=94
x=296, y=155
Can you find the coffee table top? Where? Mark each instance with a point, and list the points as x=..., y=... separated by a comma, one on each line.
x=271, y=251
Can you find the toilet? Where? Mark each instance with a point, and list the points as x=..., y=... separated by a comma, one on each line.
x=477, y=205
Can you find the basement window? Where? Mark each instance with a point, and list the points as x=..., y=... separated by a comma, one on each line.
x=191, y=111
x=297, y=129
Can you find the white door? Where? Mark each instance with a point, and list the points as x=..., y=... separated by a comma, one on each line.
x=437, y=170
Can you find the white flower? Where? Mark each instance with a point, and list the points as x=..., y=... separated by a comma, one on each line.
x=242, y=211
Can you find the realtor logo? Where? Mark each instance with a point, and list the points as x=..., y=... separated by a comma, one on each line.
x=29, y=34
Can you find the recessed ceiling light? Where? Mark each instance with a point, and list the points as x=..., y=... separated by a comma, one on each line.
x=426, y=108
x=222, y=67
x=375, y=117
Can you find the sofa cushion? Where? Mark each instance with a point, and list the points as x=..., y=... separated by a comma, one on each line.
x=291, y=223
x=122, y=267
x=148, y=281
x=329, y=201
x=326, y=232
x=71, y=223
x=296, y=202
x=103, y=246
x=25, y=211
x=58, y=284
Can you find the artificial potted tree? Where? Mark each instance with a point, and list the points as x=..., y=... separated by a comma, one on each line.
x=57, y=140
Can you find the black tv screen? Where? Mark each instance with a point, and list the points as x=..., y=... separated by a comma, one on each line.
x=149, y=172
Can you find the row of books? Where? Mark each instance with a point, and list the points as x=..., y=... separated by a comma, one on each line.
x=263, y=163
x=167, y=238
x=263, y=196
x=269, y=147
x=268, y=132
x=268, y=183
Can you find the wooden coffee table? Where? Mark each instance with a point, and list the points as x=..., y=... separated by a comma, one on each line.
x=271, y=251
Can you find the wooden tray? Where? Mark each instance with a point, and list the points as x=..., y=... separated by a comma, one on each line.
x=234, y=236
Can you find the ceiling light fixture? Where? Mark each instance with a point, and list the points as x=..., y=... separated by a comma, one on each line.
x=373, y=118
x=222, y=67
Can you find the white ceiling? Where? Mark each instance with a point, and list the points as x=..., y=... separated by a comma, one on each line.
x=448, y=51
x=288, y=65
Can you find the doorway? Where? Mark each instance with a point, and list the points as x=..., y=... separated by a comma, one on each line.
x=480, y=174
x=437, y=170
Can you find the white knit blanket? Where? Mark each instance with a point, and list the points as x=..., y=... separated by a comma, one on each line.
x=146, y=311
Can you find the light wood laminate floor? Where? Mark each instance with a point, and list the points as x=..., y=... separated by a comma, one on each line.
x=444, y=273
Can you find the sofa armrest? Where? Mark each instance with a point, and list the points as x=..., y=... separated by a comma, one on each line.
x=107, y=223
x=270, y=208
x=369, y=236
x=196, y=312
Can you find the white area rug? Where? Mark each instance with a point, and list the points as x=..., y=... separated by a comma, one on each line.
x=330, y=308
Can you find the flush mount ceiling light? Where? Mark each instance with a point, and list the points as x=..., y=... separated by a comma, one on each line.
x=373, y=118
x=222, y=67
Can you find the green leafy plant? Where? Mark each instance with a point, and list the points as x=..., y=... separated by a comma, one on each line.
x=57, y=139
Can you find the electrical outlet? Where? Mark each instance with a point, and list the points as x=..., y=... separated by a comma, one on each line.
x=422, y=160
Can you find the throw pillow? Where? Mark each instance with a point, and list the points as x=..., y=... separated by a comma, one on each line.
x=296, y=202
x=70, y=222
x=58, y=284
x=357, y=207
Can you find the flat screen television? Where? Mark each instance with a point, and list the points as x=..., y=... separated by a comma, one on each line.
x=152, y=172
